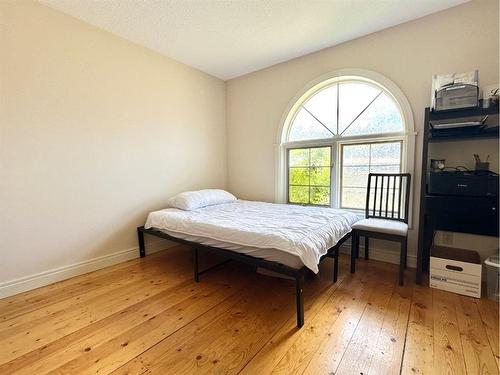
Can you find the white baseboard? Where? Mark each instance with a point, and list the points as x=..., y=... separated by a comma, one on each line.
x=38, y=280
x=381, y=254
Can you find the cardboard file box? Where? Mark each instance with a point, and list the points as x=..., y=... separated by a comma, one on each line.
x=455, y=270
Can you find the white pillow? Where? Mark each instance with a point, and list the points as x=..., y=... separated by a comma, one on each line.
x=191, y=200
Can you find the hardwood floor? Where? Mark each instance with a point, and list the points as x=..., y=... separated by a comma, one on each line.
x=148, y=316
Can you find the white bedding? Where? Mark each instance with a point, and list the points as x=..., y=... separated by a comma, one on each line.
x=305, y=232
x=272, y=255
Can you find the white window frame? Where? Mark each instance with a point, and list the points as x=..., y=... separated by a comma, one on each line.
x=407, y=137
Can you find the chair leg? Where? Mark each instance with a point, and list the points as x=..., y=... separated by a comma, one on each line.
x=354, y=250
x=402, y=261
x=367, y=244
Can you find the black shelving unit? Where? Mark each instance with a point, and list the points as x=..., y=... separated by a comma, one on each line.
x=475, y=215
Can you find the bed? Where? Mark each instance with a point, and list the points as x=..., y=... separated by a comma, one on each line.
x=287, y=239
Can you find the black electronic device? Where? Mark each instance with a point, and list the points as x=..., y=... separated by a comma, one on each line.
x=466, y=183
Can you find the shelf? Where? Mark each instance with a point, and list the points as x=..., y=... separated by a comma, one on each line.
x=464, y=112
x=463, y=134
x=465, y=214
x=490, y=131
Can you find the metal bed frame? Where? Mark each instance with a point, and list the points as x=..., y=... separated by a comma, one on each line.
x=297, y=274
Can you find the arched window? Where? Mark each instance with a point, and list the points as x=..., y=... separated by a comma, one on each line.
x=336, y=133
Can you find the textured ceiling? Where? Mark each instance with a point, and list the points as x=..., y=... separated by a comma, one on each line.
x=229, y=38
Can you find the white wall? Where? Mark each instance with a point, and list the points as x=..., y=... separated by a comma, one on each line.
x=458, y=39
x=94, y=132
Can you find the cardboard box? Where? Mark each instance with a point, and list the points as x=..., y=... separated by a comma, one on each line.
x=455, y=270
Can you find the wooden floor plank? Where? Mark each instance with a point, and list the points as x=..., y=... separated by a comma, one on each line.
x=479, y=358
x=154, y=357
x=148, y=316
x=33, y=334
x=26, y=334
x=328, y=357
x=173, y=305
x=111, y=354
x=390, y=343
x=246, y=321
x=176, y=340
x=38, y=298
x=488, y=310
x=419, y=349
x=448, y=353
x=130, y=279
x=329, y=323
x=360, y=349
x=298, y=356
x=274, y=350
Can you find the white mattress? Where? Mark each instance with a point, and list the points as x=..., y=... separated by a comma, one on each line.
x=276, y=230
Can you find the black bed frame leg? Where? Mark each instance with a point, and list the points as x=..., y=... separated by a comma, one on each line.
x=336, y=264
x=354, y=250
x=142, y=248
x=300, y=301
x=195, y=264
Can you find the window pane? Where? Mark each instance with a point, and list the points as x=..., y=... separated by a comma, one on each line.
x=358, y=161
x=385, y=169
x=299, y=194
x=356, y=154
x=348, y=108
x=353, y=198
x=382, y=116
x=305, y=126
x=320, y=156
x=386, y=153
x=299, y=157
x=355, y=176
x=320, y=195
x=354, y=97
x=309, y=181
x=320, y=176
x=323, y=105
x=299, y=176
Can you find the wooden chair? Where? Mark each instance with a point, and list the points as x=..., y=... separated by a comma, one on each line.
x=386, y=215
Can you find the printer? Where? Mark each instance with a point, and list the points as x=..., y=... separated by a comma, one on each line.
x=465, y=183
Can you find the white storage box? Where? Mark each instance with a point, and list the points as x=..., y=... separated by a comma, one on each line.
x=455, y=270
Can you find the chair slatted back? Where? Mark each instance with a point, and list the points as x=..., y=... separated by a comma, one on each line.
x=388, y=196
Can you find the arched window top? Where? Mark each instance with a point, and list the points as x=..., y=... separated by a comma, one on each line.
x=344, y=107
